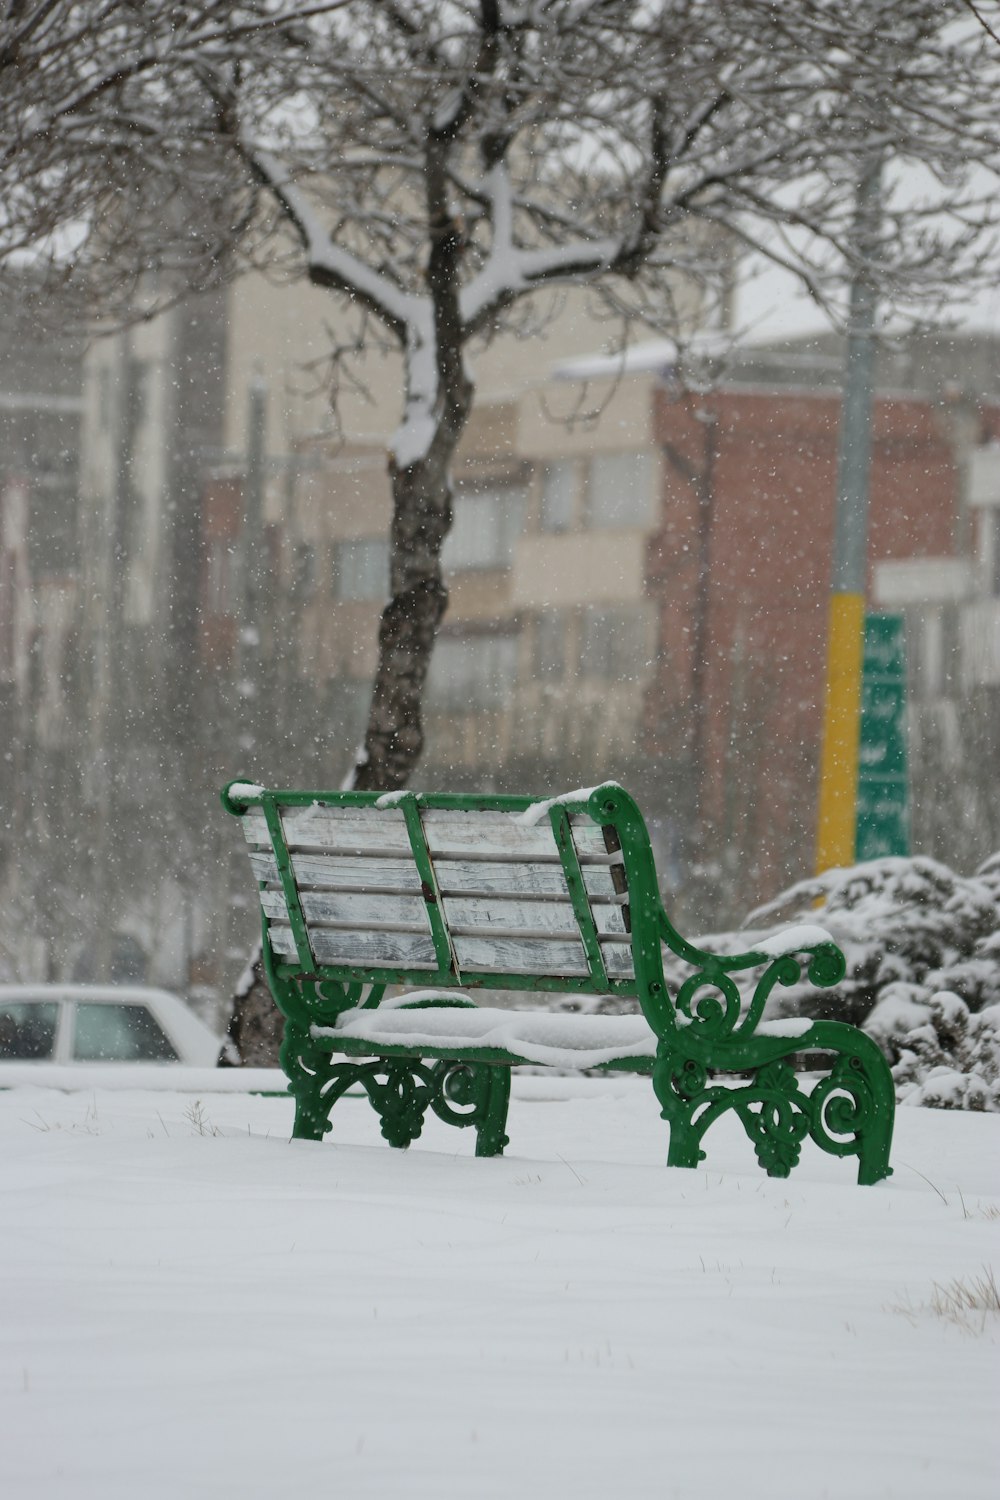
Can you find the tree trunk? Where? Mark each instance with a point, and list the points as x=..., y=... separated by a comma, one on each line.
x=422, y=515
x=439, y=392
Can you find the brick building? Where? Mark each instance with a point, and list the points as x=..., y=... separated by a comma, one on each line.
x=741, y=573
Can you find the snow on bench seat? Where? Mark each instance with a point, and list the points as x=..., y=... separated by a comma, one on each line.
x=555, y=1040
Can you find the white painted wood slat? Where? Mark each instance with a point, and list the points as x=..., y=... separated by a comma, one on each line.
x=404, y=913
x=332, y=945
x=482, y=835
x=544, y=917
x=618, y=960
x=338, y=872
x=481, y=955
x=308, y=828
x=439, y=817
x=457, y=877
x=510, y=839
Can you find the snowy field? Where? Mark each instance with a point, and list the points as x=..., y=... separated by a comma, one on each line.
x=191, y=1305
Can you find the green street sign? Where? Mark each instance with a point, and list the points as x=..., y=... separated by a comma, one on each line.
x=883, y=806
x=883, y=727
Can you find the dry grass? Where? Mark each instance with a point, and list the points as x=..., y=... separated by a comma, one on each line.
x=199, y=1121
x=970, y=1302
x=961, y=1301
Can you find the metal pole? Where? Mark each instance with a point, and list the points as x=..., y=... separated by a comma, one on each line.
x=845, y=640
x=251, y=554
x=112, y=721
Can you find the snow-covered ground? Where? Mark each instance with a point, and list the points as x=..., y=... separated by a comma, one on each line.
x=191, y=1305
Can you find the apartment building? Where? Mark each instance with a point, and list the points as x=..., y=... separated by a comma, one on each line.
x=645, y=597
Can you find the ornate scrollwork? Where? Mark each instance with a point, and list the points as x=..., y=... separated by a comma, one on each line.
x=710, y=1001
x=400, y=1089
x=776, y=1117
x=326, y=999
x=843, y=1107
x=690, y=1079
x=784, y=970
x=459, y=1091
x=474, y=1094
x=841, y=1113
x=827, y=965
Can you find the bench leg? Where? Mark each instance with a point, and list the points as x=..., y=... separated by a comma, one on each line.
x=848, y=1113
x=399, y=1091
x=853, y=1109
x=315, y=1082
x=490, y=1129
x=307, y=1070
x=684, y=1149
x=772, y=1110
x=474, y=1094
x=311, y=1124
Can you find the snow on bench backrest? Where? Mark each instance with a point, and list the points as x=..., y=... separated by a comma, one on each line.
x=429, y=889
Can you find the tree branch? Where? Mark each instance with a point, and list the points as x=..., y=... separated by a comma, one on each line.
x=448, y=124
x=328, y=264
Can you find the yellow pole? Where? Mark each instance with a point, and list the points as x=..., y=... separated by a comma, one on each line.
x=836, y=832
x=841, y=732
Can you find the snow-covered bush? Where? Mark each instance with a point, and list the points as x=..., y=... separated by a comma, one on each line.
x=923, y=971
x=908, y=928
x=951, y=1060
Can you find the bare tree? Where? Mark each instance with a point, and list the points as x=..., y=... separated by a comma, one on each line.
x=110, y=140
x=446, y=161
x=437, y=164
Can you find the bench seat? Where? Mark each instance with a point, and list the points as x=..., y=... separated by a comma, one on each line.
x=553, y=1040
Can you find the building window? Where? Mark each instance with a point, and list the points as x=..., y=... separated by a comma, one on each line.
x=550, y=644
x=613, y=643
x=472, y=672
x=485, y=528
x=619, y=493
x=304, y=571
x=361, y=569
x=558, y=496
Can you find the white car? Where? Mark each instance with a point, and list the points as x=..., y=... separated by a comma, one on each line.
x=81, y=1023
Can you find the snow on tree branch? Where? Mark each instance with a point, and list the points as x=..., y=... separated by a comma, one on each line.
x=583, y=140
x=330, y=264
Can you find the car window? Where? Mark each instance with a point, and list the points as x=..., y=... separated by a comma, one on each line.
x=119, y=1033
x=28, y=1029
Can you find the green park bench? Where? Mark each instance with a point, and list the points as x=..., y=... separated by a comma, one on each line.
x=448, y=893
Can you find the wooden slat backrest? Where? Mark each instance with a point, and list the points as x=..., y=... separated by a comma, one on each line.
x=450, y=891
